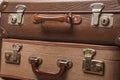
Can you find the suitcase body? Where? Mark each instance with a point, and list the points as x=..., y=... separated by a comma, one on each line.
x=86, y=21
x=59, y=61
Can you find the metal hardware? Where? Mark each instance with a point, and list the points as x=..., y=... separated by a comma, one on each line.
x=14, y=56
x=96, y=9
x=17, y=18
x=38, y=61
x=14, y=19
x=106, y=20
x=67, y=63
x=35, y=59
x=20, y=10
x=90, y=65
x=3, y=4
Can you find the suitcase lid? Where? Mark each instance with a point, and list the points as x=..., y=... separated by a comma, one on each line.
x=80, y=6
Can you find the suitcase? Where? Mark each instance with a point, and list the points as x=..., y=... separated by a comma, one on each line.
x=80, y=21
x=41, y=60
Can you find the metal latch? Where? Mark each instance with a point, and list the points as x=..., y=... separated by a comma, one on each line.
x=96, y=9
x=14, y=57
x=90, y=65
x=17, y=18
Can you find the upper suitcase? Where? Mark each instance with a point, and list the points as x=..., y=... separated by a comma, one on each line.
x=84, y=21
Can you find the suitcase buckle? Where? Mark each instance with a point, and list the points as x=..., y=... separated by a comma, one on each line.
x=99, y=19
x=90, y=65
x=14, y=57
x=96, y=9
x=17, y=18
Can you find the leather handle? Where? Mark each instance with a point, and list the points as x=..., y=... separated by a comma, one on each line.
x=71, y=19
x=63, y=65
x=51, y=18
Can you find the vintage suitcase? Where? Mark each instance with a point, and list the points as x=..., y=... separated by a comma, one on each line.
x=37, y=60
x=86, y=21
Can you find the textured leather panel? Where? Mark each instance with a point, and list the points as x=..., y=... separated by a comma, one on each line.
x=84, y=32
x=77, y=6
x=60, y=31
x=51, y=53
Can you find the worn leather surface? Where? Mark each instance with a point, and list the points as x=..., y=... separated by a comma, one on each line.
x=59, y=31
x=50, y=52
x=61, y=5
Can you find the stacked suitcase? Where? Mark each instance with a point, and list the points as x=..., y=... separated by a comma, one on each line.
x=60, y=39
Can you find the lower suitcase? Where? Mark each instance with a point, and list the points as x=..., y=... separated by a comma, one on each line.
x=34, y=60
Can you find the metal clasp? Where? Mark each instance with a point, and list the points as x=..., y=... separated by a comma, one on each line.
x=17, y=18
x=20, y=10
x=67, y=63
x=14, y=56
x=89, y=54
x=96, y=9
x=90, y=65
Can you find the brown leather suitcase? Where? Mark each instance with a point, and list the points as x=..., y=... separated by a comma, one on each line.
x=38, y=60
x=86, y=21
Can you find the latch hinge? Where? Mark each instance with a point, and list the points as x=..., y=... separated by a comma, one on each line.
x=99, y=19
x=18, y=17
x=96, y=10
x=90, y=65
